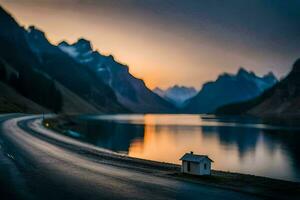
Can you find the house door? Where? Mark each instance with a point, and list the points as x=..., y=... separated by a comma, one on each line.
x=188, y=166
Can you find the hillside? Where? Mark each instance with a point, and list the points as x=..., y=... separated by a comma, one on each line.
x=11, y=102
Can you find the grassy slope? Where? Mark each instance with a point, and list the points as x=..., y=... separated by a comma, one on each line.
x=73, y=104
x=244, y=107
x=12, y=101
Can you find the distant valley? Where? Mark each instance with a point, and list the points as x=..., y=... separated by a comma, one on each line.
x=176, y=94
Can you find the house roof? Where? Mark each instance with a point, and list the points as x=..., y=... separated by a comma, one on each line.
x=195, y=158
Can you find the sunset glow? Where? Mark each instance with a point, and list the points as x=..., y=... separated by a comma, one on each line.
x=149, y=99
x=159, y=46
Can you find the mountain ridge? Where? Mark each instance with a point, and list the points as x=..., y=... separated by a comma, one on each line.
x=229, y=88
x=102, y=84
x=37, y=61
x=282, y=100
x=176, y=94
x=130, y=91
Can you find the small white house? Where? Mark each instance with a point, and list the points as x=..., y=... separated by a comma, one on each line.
x=196, y=164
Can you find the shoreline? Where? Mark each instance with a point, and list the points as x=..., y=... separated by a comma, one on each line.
x=251, y=184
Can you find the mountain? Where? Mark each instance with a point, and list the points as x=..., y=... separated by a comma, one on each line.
x=48, y=76
x=282, y=100
x=229, y=88
x=176, y=94
x=160, y=92
x=19, y=66
x=131, y=92
x=12, y=102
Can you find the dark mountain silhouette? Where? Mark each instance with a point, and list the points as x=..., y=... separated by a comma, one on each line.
x=282, y=100
x=130, y=91
x=74, y=78
x=24, y=76
x=229, y=89
x=45, y=74
x=72, y=74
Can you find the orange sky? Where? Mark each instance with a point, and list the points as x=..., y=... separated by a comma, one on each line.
x=161, y=53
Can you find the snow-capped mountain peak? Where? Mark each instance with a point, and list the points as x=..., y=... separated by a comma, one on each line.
x=71, y=51
x=81, y=50
x=83, y=45
x=176, y=94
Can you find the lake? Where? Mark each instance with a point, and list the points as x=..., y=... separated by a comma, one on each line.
x=245, y=145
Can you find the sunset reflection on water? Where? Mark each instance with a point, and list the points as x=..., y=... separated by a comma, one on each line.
x=237, y=145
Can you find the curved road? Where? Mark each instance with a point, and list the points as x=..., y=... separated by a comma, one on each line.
x=36, y=163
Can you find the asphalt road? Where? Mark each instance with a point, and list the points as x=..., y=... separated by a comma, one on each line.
x=32, y=166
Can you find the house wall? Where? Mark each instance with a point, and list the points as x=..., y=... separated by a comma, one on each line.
x=196, y=168
x=206, y=171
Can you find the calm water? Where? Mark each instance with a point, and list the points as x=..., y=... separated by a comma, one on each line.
x=243, y=145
